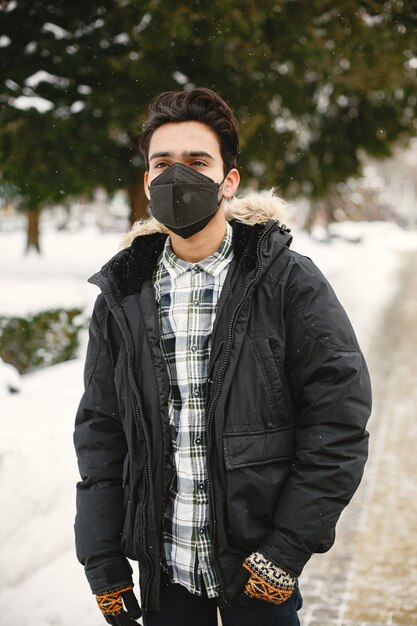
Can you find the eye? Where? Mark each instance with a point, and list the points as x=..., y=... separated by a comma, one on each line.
x=161, y=164
x=198, y=164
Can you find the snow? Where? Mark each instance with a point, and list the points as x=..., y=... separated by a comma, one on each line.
x=41, y=76
x=40, y=579
x=57, y=277
x=9, y=379
x=37, y=479
x=31, y=102
x=5, y=41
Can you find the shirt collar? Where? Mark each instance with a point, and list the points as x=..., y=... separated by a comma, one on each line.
x=212, y=264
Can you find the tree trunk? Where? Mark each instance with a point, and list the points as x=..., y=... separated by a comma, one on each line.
x=311, y=217
x=330, y=205
x=138, y=201
x=32, y=231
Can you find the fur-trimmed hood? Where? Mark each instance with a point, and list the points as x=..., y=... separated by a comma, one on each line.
x=253, y=208
x=142, y=245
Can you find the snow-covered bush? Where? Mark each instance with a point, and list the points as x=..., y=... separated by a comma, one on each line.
x=46, y=338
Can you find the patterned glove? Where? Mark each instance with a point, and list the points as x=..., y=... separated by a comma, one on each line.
x=267, y=581
x=111, y=603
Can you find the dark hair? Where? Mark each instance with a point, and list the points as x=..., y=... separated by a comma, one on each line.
x=202, y=105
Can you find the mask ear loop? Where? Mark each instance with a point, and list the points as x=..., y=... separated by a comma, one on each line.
x=220, y=184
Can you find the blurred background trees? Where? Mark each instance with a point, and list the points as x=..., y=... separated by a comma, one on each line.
x=317, y=87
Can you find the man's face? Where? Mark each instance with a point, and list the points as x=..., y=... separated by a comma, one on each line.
x=192, y=143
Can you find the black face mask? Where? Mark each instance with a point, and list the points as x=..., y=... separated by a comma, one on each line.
x=184, y=200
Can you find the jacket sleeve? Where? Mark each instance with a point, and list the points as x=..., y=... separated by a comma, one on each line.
x=101, y=447
x=329, y=384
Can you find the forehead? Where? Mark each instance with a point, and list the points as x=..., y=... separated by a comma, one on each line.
x=178, y=137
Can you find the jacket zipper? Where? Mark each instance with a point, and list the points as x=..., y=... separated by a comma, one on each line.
x=144, y=539
x=216, y=397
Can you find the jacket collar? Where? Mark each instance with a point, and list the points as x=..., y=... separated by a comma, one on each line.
x=143, y=244
x=212, y=264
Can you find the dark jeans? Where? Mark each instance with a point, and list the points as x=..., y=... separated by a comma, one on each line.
x=182, y=608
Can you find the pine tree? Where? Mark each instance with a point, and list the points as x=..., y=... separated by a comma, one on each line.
x=314, y=84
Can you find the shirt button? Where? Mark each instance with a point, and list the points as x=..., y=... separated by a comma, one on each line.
x=196, y=393
x=196, y=269
x=194, y=348
x=202, y=486
x=201, y=530
x=196, y=302
x=198, y=440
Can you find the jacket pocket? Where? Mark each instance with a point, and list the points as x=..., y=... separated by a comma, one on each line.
x=265, y=350
x=257, y=468
x=258, y=447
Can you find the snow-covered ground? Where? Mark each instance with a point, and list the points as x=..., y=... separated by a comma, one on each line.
x=41, y=582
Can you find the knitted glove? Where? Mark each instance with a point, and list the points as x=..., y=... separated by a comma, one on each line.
x=111, y=603
x=267, y=581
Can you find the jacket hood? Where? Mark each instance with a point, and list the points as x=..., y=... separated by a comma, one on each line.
x=139, y=250
x=253, y=208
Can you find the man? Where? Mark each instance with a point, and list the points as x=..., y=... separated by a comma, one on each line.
x=222, y=428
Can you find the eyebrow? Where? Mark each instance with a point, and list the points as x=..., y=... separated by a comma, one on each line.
x=184, y=154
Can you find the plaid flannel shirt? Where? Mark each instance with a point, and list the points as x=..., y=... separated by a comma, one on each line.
x=187, y=295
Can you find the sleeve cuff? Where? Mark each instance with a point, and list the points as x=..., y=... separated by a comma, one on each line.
x=273, y=574
x=109, y=575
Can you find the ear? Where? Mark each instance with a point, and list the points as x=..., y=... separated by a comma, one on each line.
x=145, y=185
x=231, y=183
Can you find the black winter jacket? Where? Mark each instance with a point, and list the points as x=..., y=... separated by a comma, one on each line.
x=288, y=398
